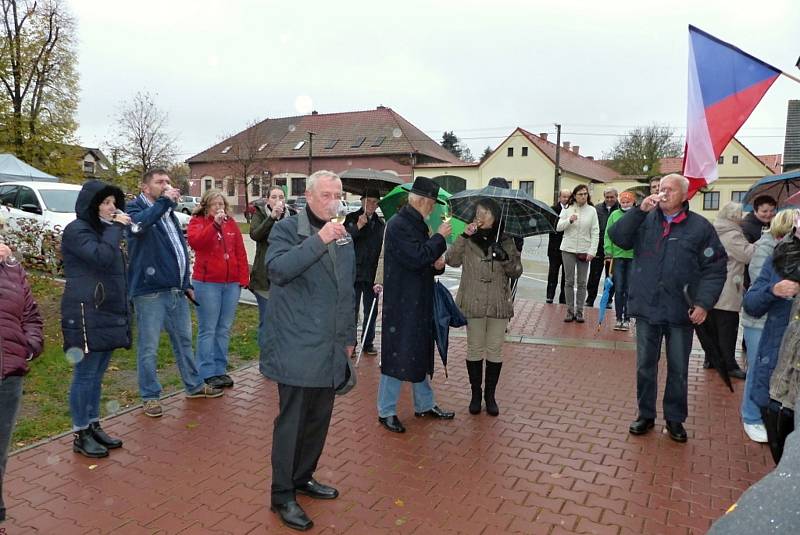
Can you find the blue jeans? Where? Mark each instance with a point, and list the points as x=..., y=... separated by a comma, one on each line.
x=262, y=317
x=167, y=310
x=215, y=313
x=621, y=276
x=366, y=295
x=10, y=399
x=389, y=392
x=751, y=414
x=84, y=393
x=648, y=352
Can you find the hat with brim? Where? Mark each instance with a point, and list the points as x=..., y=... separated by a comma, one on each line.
x=425, y=187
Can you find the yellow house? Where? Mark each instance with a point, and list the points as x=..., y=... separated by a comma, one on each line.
x=527, y=161
x=738, y=170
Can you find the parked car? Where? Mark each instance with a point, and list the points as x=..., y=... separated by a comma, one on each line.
x=49, y=203
x=187, y=204
x=353, y=206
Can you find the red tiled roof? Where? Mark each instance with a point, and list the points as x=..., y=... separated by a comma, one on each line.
x=569, y=161
x=670, y=165
x=283, y=134
x=773, y=161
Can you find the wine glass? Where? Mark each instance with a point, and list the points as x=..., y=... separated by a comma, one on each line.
x=10, y=260
x=135, y=227
x=341, y=214
x=446, y=214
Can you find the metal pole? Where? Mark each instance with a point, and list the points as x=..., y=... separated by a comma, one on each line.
x=557, y=177
x=310, y=146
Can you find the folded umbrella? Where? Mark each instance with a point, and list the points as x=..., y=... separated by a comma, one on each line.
x=710, y=345
x=522, y=215
x=607, y=286
x=446, y=314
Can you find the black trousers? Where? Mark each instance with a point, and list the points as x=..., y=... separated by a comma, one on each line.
x=552, y=278
x=596, y=270
x=298, y=437
x=722, y=327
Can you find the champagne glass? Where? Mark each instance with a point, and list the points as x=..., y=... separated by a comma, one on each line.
x=446, y=214
x=10, y=260
x=135, y=227
x=341, y=214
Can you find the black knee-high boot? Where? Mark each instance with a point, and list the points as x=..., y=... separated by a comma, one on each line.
x=475, y=371
x=492, y=376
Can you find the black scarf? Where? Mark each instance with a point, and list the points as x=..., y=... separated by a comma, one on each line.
x=484, y=238
x=316, y=222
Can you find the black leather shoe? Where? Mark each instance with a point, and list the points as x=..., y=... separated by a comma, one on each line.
x=549, y=301
x=292, y=515
x=86, y=444
x=738, y=373
x=392, y=423
x=103, y=438
x=436, y=412
x=676, y=431
x=315, y=489
x=641, y=426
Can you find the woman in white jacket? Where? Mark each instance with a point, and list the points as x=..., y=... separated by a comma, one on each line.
x=578, y=221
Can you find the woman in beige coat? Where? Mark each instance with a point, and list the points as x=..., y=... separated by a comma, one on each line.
x=723, y=320
x=484, y=296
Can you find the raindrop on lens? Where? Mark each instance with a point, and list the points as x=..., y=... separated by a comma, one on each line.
x=74, y=355
x=737, y=279
x=71, y=322
x=392, y=329
x=108, y=502
x=226, y=256
x=397, y=132
x=292, y=128
x=150, y=271
x=709, y=252
x=53, y=459
x=112, y=406
x=303, y=104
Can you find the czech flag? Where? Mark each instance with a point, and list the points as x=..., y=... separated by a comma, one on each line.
x=725, y=85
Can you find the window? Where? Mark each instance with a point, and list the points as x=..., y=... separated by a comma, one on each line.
x=226, y=149
x=88, y=167
x=721, y=160
x=734, y=160
x=378, y=141
x=59, y=200
x=524, y=151
x=357, y=143
x=262, y=146
x=280, y=180
x=255, y=186
x=711, y=200
x=299, y=145
x=510, y=152
x=298, y=186
x=8, y=194
x=331, y=143
x=231, y=187
x=27, y=196
x=208, y=184
x=526, y=185
x=218, y=184
x=738, y=196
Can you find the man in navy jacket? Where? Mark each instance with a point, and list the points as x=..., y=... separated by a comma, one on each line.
x=675, y=253
x=158, y=281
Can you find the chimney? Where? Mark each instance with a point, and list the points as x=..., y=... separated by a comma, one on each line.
x=315, y=112
x=543, y=135
x=576, y=149
x=791, y=147
x=566, y=145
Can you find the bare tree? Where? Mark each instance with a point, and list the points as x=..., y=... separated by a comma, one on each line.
x=38, y=78
x=143, y=140
x=246, y=157
x=644, y=146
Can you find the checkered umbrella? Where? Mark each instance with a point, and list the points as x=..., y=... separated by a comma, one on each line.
x=522, y=214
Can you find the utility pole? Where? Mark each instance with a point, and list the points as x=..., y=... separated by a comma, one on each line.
x=557, y=178
x=310, y=147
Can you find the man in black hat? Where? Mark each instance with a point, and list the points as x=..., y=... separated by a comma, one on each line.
x=411, y=260
x=366, y=228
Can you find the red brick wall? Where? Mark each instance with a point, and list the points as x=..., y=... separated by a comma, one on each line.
x=220, y=170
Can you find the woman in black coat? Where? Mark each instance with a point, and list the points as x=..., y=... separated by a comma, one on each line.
x=94, y=309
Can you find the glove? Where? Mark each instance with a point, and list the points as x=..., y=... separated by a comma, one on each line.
x=498, y=253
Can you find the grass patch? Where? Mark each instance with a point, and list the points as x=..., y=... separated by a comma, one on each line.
x=45, y=404
x=244, y=227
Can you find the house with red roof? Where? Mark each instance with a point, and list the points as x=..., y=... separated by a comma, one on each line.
x=286, y=150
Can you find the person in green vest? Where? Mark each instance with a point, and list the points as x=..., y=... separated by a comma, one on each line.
x=622, y=259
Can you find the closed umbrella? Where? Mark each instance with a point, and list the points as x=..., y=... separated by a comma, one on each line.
x=446, y=314
x=607, y=287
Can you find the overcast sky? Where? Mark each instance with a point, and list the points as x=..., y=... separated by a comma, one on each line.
x=479, y=68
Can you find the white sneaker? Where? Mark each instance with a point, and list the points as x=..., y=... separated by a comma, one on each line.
x=756, y=432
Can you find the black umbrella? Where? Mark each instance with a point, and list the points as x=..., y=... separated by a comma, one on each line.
x=779, y=187
x=710, y=345
x=522, y=214
x=357, y=181
x=446, y=314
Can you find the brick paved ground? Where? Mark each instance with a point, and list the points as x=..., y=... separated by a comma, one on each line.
x=558, y=459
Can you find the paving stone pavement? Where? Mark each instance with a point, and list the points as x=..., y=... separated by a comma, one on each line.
x=558, y=459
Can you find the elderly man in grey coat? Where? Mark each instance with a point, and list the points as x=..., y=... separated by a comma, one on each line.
x=309, y=335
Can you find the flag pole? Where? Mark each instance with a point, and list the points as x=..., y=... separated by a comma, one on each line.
x=795, y=78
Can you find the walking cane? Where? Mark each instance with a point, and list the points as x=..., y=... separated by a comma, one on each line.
x=366, y=329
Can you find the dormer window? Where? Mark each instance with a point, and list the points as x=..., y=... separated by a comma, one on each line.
x=226, y=149
x=299, y=145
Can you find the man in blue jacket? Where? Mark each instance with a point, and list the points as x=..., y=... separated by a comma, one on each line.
x=675, y=253
x=158, y=281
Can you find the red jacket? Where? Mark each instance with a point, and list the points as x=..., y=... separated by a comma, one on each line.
x=21, y=335
x=219, y=250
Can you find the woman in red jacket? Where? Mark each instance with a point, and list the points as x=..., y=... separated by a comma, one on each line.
x=20, y=340
x=220, y=272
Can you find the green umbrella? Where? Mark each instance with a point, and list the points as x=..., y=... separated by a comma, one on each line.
x=399, y=196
